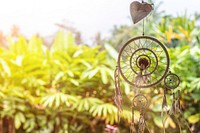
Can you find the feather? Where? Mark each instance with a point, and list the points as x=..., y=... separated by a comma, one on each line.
x=139, y=79
x=141, y=124
x=147, y=78
x=164, y=104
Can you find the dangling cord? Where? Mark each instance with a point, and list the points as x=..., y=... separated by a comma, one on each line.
x=137, y=91
x=147, y=127
x=118, y=117
x=173, y=108
x=164, y=109
x=178, y=105
x=118, y=103
x=139, y=79
x=143, y=22
x=141, y=123
x=118, y=97
x=117, y=81
x=179, y=125
x=186, y=123
x=179, y=110
x=143, y=27
x=164, y=104
x=164, y=118
x=132, y=128
x=147, y=77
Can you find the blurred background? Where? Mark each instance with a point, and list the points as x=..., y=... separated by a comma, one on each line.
x=57, y=60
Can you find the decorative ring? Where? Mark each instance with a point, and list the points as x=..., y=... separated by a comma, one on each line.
x=140, y=101
x=171, y=81
x=144, y=58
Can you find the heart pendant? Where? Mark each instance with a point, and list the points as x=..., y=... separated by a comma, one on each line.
x=139, y=10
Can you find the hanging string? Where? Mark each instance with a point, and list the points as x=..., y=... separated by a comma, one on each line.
x=132, y=128
x=164, y=120
x=141, y=123
x=118, y=96
x=118, y=117
x=164, y=104
x=147, y=127
x=143, y=27
x=178, y=106
x=164, y=109
x=179, y=125
x=186, y=123
x=173, y=107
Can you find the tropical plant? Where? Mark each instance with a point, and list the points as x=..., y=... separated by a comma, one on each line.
x=67, y=88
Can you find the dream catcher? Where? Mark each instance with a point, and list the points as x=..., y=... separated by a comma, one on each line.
x=143, y=62
x=171, y=82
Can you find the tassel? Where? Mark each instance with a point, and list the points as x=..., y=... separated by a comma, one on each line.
x=118, y=116
x=147, y=77
x=147, y=127
x=132, y=120
x=139, y=79
x=118, y=102
x=164, y=104
x=118, y=94
x=132, y=128
x=141, y=124
x=186, y=123
x=179, y=125
x=173, y=104
x=178, y=101
x=173, y=108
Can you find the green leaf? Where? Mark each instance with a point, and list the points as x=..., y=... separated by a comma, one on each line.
x=113, y=53
x=19, y=119
x=158, y=121
x=104, y=76
x=194, y=118
x=63, y=41
x=93, y=73
x=5, y=66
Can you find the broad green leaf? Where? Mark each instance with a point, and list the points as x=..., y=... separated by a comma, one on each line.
x=113, y=53
x=103, y=76
x=158, y=121
x=92, y=73
x=194, y=118
x=5, y=66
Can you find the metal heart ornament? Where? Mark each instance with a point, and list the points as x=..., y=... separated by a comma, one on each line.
x=139, y=10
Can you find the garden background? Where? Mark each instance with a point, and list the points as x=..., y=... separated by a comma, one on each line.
x=62, y=85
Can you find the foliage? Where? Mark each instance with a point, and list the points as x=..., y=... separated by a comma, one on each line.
x=67, y=88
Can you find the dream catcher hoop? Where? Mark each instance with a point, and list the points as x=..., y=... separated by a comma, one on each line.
x=171, y=81
x=143, y=62
x=140, y=101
